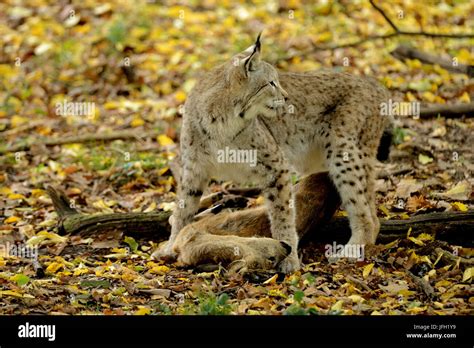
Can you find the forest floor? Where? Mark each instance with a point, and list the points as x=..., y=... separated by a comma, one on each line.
x=137, y=62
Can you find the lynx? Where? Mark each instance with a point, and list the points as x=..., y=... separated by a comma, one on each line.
x=296, y=122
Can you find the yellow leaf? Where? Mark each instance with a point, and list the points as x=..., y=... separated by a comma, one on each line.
x=163, y=170
x=5, y=191
x=151, y=208
x=367, y=270
x=385, y=210
x=460, y=191
x=325, y=36
x=458, y=206
x=416, y=241
x=391, y=244
x=12, y=219
x=464, y=55
x=443, y=283
x=425, y=237
x=10, y=293
x=271, y=280
x=18, y=121
x=142, y=311
x=465, y=98
x=429, y=96
x=276, y=293
x=110, y=105
x=160, y=270
x=468, y=274
x=414, y=63
x=54, y=267
x=356, y=298
x=37, y=192
x=165, y=140
x=337, y=306
x=406, y=292
x=416, y=310
x=180, y=96
x=137, y=122
x=423, y=159
x=16, y=196
x=52, y=238
x=167, y=206
x=376, y=313
x=410, y=97
x=80, y=271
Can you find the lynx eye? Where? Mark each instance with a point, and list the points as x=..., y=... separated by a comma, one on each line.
x=271, y=259
x=272, y=83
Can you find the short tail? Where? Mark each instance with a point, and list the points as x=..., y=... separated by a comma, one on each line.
x=383, y=150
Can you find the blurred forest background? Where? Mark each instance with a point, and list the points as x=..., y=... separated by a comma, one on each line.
x=136, y=62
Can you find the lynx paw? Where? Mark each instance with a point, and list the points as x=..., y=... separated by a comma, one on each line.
x=289, y=265
x=165, y=252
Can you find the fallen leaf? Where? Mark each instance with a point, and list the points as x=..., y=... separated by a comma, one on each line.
x=458, y=206
x=408, y=186
x=423, y=159
x=468, y=274
x=367, y=269
x=165, y=140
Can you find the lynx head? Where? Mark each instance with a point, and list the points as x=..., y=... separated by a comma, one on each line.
x=254, y=84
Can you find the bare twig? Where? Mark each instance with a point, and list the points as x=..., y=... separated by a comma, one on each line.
x=358, y=282
x=397, y=31
x=450, y=257
x=418, y=33
x=77, y=139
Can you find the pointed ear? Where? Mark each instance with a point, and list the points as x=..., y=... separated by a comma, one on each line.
x=252, y=61
x=286, y=246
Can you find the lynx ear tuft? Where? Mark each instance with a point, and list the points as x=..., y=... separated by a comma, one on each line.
x=257, y=42
x=252, y=61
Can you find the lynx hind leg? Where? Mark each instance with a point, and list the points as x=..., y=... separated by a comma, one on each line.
x=370, y=170
x=350, y=176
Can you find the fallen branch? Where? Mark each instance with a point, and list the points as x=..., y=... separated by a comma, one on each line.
x=449, y=111
x=454, y=227
x=78, y=139
x=316, y=202
x=406, y=52
x=452, y=258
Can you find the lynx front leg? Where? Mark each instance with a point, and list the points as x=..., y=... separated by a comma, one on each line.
x=190, y=191
x=281, y=209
